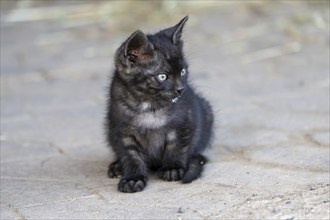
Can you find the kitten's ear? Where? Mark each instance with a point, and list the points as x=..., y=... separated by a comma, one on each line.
x=175, y=32
x=138, y=47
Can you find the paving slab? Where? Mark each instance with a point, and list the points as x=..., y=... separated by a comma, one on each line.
x=263, y=65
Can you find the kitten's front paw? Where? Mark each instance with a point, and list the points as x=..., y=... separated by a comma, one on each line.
x=172, y=174
x=132, y=185
x=114, y=169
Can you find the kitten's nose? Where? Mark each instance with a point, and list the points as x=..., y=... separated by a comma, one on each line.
x=179, y=90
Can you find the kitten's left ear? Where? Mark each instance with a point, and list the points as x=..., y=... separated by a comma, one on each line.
x=175, y=32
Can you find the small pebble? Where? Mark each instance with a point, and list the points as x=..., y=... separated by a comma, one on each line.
x=311, y=188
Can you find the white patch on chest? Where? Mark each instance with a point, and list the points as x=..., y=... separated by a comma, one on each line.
x=145, y=106
x=151, y=120
x=128, y=141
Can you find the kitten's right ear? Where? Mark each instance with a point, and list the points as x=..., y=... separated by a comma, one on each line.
x=138, y=47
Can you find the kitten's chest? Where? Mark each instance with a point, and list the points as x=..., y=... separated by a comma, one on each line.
x=153, y=142
x=151, y=119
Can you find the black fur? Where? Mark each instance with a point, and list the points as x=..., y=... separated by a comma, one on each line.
x=155, y=120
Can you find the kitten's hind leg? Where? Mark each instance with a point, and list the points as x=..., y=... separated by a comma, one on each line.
x=195, y=168
x=115, y=169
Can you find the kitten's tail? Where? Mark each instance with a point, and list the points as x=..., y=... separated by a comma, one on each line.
x=195, y=168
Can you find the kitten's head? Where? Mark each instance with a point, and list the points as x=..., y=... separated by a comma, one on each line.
x=154, y=65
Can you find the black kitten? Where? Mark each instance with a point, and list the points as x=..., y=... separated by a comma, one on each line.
x=155, y=120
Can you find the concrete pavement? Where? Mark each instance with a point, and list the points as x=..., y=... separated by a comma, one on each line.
x=264, y=66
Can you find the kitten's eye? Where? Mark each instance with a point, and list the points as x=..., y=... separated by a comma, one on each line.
x=162, y=77
x=183, y=72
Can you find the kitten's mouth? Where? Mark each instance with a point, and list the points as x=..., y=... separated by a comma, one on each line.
x=175, y=99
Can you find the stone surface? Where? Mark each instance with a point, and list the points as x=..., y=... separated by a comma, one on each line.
x=265, y=69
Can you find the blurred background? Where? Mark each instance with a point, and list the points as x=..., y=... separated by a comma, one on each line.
x=44, y=35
